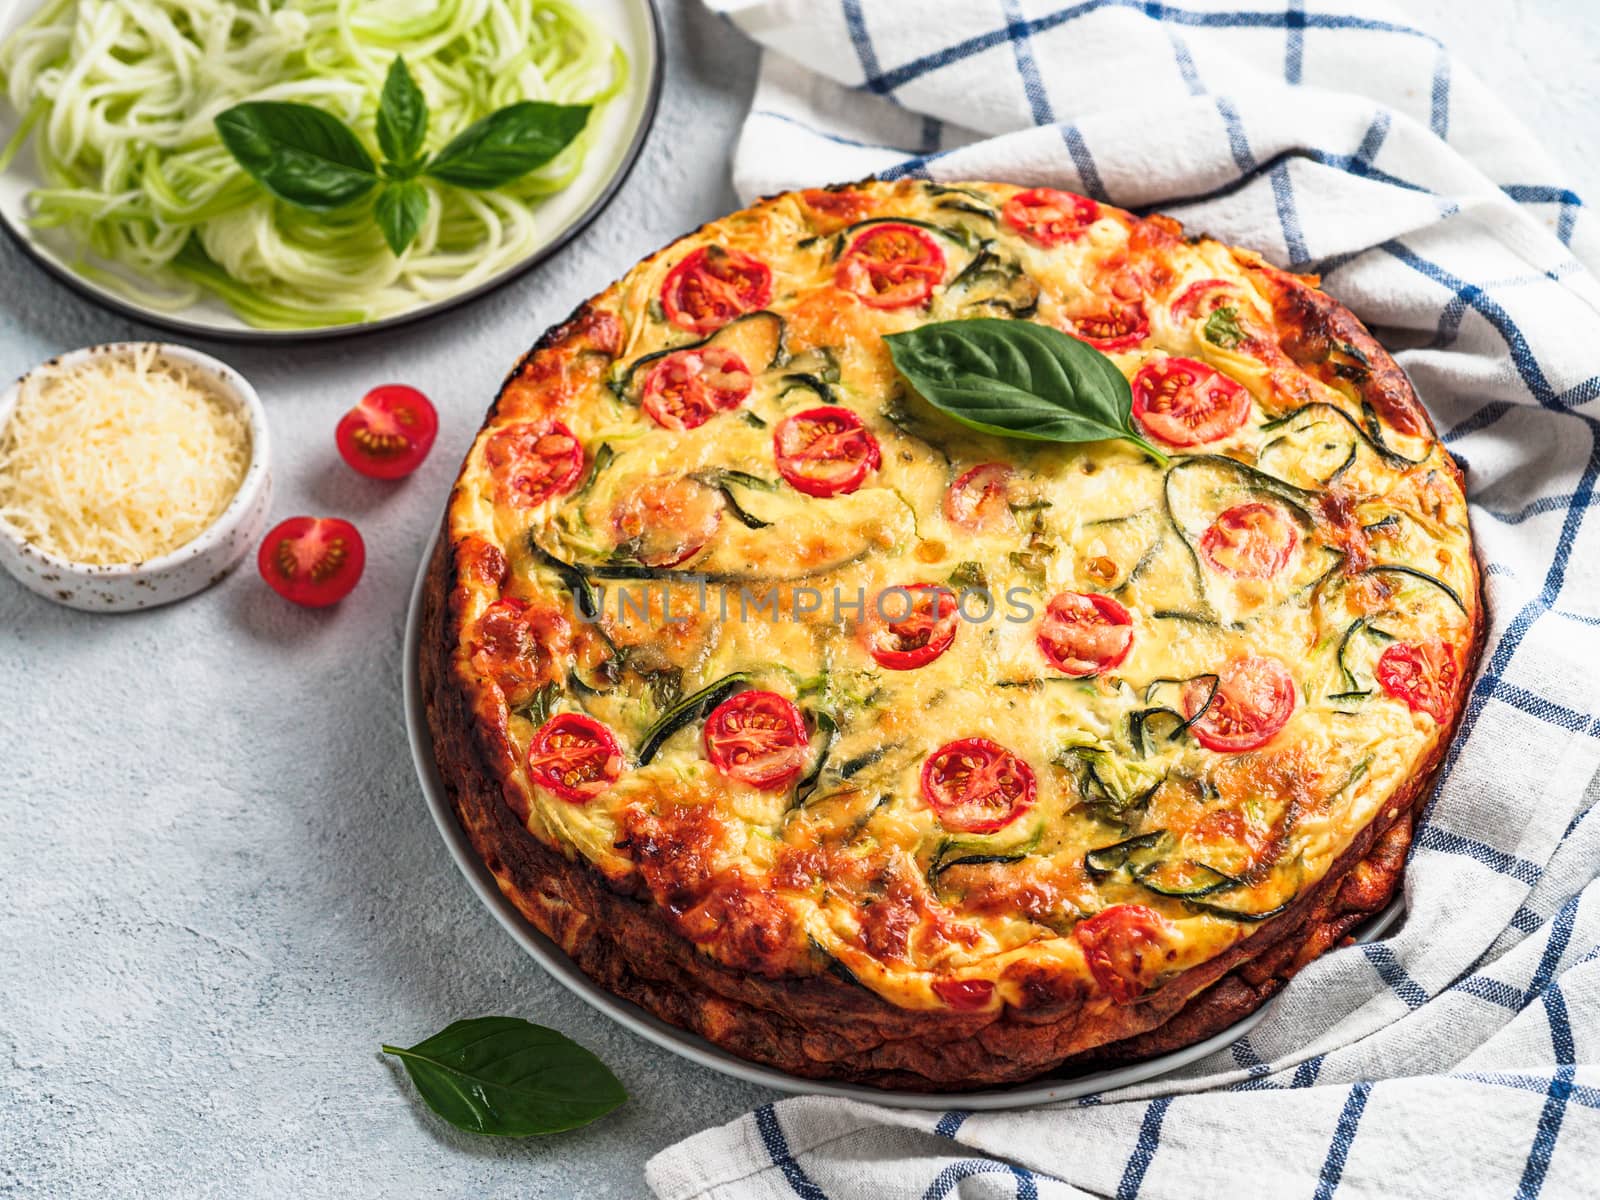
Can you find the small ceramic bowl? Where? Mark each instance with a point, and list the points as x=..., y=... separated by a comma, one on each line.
x=125, y=587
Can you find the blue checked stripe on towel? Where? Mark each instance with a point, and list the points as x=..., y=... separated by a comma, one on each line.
x=1461, y=1055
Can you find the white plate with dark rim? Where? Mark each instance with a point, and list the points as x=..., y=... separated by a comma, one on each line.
x=623, y=126
x=696, y=1049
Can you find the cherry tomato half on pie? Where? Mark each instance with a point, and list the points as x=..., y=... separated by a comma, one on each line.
x=891, y=266
x=1423, y=675
x=758, y=738
x=1202, y=298
x=575, y=757
x=521, y=646
x=687, y=388
x=1118, y=326
x=1049, y=217
x=533, y=463
x=667, y=519
x=1183, y=402
x=389, y=433
x=910, y=626
x=980, y=499
x=964, y=994
x=1254, y=699
x=976, y=786
x=312, y=561
x=1085, y=633
x=824, y=451
x=712, y=286
x=1123, y=947
x=1250, y=541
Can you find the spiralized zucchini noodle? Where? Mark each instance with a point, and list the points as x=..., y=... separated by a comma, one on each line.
x=118, y=97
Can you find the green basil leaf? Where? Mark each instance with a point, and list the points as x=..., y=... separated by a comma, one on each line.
x=1222, y=328
x=300, y=154
x=508, y=144
x=508, y=1077
x=402, y=116
x=1016, y=379
x=400, y=210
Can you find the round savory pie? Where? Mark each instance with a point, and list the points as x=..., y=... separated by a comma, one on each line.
x=876, y=747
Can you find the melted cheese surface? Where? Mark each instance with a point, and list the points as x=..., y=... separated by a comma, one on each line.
x=855, y=871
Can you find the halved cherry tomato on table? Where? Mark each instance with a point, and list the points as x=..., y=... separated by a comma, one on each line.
x=1120, y=325
x=312, y=561
x=891, y=266
x=1184, y=402
x=533, y=463
x=1252, y=699
x=1123, y=946
x=758, y=738
x=824, y=451
x=687, y=388
x=1048, y=216
x=667, y=519
x=389, y=433
x=712, y=286
x=1422, y=674
x=1250, y=541
x=976, y=786
x=980, y=499
x=964, y=994
x=575, y=757
x=910, y=626
x=1085, y=633
x=1202, y=298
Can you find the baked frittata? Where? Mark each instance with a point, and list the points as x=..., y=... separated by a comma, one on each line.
x=873, y=747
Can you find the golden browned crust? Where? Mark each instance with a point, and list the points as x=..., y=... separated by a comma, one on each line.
x=829, y=1027
x=825, y=1025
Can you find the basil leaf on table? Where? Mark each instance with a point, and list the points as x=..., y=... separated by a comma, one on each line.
x=298, y=153
x=400, y=210
x=508, y=144
x=1017, y=379
x=509, y=1077
x=402, y=117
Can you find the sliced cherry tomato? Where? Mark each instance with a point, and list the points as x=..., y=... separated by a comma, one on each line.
x=1085, y=633
x=521, y=646
x=1254, y=699
x=712, y=286
x=313, y=561
x=575, y=757
x=1250, y=541
x=980, y=499
x=976, y=786
x=758, y=738
x=891, y=266
x=688, y=388
x=667, y=520
x=824, y=451
x=389, y=433
x=1423, y=674
x=1203, y=298
x=1049, y=217
x=836, y=208
x=533, y=463
x=1183, y=402
x=1118, y=326
x=965, y=994
x=1123, y=946
x=910, y=630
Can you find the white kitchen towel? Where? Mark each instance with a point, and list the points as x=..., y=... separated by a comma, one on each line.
x=1460, y=1056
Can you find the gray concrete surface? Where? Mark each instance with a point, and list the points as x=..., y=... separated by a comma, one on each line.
x=219, y=888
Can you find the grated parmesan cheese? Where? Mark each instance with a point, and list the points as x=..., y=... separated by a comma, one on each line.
x=119, y=459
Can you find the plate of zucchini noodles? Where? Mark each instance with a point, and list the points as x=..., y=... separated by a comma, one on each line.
x=161, y=156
